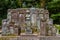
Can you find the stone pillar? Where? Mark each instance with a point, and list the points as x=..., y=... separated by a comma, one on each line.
x=33, y=20
x=46, y=16
x=22, y=20
x=38, y=24
x=33, y=16
x=42, y=22
x=4, y=27
x=28, y=29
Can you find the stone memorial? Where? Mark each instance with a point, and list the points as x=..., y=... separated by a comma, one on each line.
x=26, y=20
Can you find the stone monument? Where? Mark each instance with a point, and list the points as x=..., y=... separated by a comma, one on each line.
x=29, y=20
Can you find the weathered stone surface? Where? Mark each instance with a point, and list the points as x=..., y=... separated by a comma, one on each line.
x=35, y=18
x=30, y=37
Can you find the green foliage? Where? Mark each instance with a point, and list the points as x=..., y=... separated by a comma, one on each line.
x=56, y=18
x=54, y=9
x=54, y=4
x=57, y=26
x=55, y=15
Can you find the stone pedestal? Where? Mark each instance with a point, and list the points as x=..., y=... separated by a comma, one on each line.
x=28, y=30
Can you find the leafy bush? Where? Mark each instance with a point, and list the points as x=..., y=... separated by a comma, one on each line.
x=57, y=27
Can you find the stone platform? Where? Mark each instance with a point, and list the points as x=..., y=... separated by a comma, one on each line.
x=29, y=37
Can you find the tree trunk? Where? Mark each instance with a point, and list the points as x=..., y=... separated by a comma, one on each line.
x=42, y=3
x=19, y=2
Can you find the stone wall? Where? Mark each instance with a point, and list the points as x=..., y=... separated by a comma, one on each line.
x=28, y=20
x=30, y=38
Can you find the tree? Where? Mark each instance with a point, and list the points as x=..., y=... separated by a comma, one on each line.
x=54, y=9
x=42, y=3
